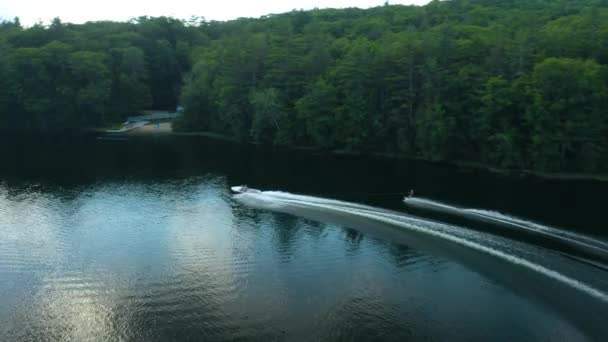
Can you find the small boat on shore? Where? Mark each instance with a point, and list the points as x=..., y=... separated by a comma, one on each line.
x=242, y=189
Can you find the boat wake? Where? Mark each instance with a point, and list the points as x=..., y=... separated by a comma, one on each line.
x=575, y=245
x=582, y=239
x=439, y=237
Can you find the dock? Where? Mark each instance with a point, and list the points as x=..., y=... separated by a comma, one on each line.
x=149, y=123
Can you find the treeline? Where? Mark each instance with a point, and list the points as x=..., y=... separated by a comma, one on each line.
x=519, y=83
x=64, y=77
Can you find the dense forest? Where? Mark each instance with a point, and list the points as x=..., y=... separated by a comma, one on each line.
x=517, y=83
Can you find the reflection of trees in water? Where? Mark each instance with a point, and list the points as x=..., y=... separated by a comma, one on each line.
x=353, y=239
x=400, y=254
x=403, y=256
x=353, y=235
x=243, y=214
x=314, y=228
x=285, y=228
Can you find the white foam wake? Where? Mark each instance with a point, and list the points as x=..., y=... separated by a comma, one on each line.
x=590, y=243
x=533, y=225
x=280, y=201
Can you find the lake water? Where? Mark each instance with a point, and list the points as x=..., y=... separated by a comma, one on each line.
x=141, y=240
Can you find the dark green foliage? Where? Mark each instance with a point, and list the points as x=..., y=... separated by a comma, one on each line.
x=66, y=77
x=316, y=111
x=517, y=84
x=267, y=114
x=568, y=116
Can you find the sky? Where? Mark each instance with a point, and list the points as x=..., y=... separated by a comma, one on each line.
x=79, y=11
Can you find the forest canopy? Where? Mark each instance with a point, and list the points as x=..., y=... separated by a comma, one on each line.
x=517, y=84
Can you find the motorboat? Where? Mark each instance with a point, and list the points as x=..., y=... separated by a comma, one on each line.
x=242, y=189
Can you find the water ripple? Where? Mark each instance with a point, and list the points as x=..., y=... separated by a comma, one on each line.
x=175, y=259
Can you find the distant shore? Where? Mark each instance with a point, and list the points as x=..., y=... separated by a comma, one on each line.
x=165, y=128
x=161, y=128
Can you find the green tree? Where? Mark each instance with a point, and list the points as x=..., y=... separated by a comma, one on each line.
x=497, y=127
x=130, y=91
x=200, y=113
x=6, y=84
x=318, y=111
x=267, y=114
x=509, y=83
x=91, y=82
x=568, y=119
x=436, y=131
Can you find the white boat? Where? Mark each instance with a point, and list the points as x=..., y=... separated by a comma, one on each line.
x=241, y=189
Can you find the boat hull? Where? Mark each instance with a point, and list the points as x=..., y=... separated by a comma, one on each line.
x=242, y=189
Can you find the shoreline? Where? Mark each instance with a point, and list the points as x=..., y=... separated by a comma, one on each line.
x=458, y=164
x=167, y=130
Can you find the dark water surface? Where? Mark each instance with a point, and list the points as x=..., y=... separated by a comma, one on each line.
x=141, y=240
